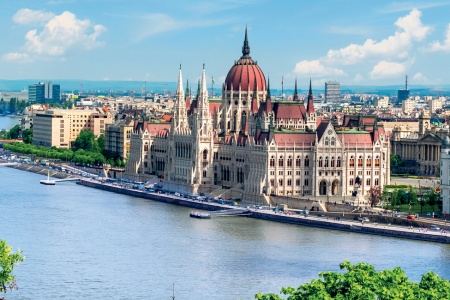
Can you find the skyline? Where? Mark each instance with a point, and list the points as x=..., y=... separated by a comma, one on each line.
x=347, y=41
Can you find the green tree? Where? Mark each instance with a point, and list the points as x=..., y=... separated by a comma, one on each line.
x=14, y=132
x=394, y=198
x=431, y=198
x=101, y=142
x=12, y=105
x=8, y=260
x=362, y=282
x=374, y=195
x=27, y=136
x=402, y=197
x=86, y=140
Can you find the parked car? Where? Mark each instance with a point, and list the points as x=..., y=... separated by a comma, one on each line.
x=364, y=219
x=410, y=217
x=434, y=228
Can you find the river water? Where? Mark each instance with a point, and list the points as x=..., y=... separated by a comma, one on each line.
x=83, y=243
x=7, y=122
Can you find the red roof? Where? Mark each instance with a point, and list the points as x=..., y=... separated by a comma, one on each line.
x=356, y=139
x=166, y=118
x=295, y=138
x=292, y=110
x=245, y=73
x=214, y=106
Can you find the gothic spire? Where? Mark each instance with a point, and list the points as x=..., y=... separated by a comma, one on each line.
x=295, y=91
x=310, y=104
x=180, y=84
x=268, y=89
x=246, y=47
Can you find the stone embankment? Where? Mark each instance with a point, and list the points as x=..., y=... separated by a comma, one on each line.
x=315, y=221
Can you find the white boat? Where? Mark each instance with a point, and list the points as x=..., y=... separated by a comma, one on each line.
x=200, y=215
x=48, y=181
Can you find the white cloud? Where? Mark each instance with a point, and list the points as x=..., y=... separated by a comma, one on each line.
x=419, y=78
x=27, y=16
x=16, y=56
x=58, y=34
x=445, y=45
x=316, y=68
x=386, y=69
x=410, y=29
x=358, y=78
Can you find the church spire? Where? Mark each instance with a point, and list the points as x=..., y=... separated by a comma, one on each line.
x=180, y=90
x=310, y=104
x=268, y=98
x=246, y=47
x=295, y=91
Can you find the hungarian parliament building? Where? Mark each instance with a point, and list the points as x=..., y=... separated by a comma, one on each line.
x=257, y=147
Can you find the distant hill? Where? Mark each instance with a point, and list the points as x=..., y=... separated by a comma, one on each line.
x=137, y=87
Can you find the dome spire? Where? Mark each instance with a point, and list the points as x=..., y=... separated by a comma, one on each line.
x=246, y=47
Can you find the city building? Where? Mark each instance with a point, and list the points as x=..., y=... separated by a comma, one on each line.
x=434, y=105
x=382, y=102
x=419, y=150
x=332, y=92
x=117, y=137
x=44, y=92
x=60, y=127
x=408, y=106
x=445, y=177
x=249, y=146
x=403, y=94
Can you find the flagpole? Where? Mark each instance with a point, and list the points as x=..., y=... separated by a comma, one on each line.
x=282, y=88
x=212, y=86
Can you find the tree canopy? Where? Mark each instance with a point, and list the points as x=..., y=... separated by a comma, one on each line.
x=8, y=260
x=362, y=282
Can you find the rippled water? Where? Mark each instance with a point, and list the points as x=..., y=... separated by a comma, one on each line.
x=82, y=243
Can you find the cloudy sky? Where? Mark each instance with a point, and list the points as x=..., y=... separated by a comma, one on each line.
x=354, y=42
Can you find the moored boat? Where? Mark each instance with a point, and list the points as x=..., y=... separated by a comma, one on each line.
x=200, y=215
x=48, y=181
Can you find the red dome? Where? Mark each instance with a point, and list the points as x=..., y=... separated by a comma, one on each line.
x=245, y=72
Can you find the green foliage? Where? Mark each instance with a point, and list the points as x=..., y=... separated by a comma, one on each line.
x=396, y=160
x=86, y=140
x=396, y=186
x=431, y=198
x=27, y=136
x=402, y=197
x=374, y=195
x=101, y=142
x=8, y=260
x=14, y=132
x=362, y=281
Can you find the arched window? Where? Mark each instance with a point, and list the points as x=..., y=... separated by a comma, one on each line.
x=289, y=161
x=281, y=162
x=368, y=181
x=243, y=120
x=326, y=162
x=146, y=147
x=377, y=161
x=376, y=181
x=360, y=161
x=272, y=182
x=205, y=154
x=204, y=173
x=320, y=162
x=272, y=161
x=352, y=161
x=306, y=161
x=298, y=161
x=326, y=142
x=332, y=141
x=351, y=181
x=280, y=182
x=369, y=161
x=338, y=162
x=332, y=162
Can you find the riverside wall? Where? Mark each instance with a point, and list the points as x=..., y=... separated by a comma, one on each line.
x=280, y=217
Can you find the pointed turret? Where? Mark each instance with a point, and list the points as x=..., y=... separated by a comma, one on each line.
x=179, y=112
x=180, y=90
x=268, y=98
x=245, y=47
x=295, y=91
x=310, y=104
x=254, y=106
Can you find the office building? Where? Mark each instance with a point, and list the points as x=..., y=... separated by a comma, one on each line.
x=332, y=92
x=44, y=92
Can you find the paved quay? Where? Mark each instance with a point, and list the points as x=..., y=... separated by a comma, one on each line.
x=314, y=221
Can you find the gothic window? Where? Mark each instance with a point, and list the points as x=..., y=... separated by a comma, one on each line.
x=376, y=181
x=306, y=161
x=272, y=161
x=377, y=161
x=289, y=162
x=281, y=162
x=332, y=162
x=146, y=147
x=338, y=162
x=289, y=182
x=360, y=161
x=326, y=162
x=205, y=154
x=243, y=120
x=368, y=161
x=326, y=142
x=351, y=181
x=298, y=161
x=368, y=181
x=280, y=182
x=272, y=182
x=320, y=162
x=352, y=161
x=297, y=182
x=332, y=141
x=306, y=182
x=204, y=173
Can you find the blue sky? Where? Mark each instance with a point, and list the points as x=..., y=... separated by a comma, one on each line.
x=353, y=42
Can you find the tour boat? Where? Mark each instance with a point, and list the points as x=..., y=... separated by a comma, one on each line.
x=200, y=215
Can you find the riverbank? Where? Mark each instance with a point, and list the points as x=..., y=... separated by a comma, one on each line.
x=270, y=215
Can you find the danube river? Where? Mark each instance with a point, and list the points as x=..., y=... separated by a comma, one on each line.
x=83, y=243
x=7, y=122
